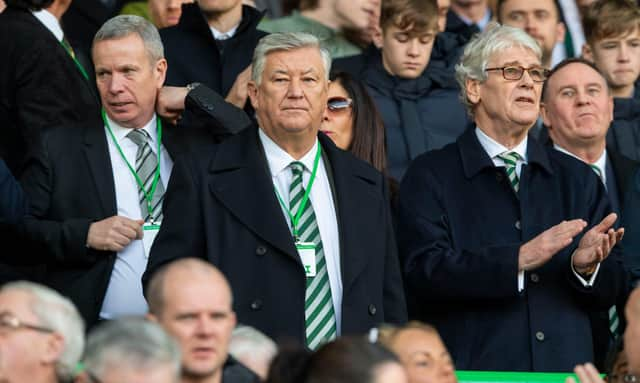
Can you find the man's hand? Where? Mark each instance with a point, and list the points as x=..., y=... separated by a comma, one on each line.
x=596, y=245
x=539, y=250
x=587, y=373
x=170, y=102
x=238, y=93
x=114, y=233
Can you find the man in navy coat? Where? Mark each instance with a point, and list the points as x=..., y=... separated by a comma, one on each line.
x=506, y=244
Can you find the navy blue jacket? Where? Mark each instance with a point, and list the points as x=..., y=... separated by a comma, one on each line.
x=13, y=203
x=624, y=133
x=460, y=230
x=438, y=119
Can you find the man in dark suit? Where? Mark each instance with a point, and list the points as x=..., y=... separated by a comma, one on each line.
x=13, y=202
x=300, y=228
x=577, y=108
x=493, y=228
x=95, y=190
x=213, y=44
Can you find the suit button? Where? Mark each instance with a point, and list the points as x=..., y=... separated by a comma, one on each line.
x=517, y=225
x=256, y=305
x=540, y=336
x=209, y=107
x=535, y=278
x=499, y=176
x=261, y=250
x=372, y=309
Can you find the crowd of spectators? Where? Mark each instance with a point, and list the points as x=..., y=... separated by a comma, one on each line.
x=318, y=190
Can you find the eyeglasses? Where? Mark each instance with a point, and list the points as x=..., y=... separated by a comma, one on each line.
x=339, y=104
x=512, y=72
x=8, y=322
x=626, y=378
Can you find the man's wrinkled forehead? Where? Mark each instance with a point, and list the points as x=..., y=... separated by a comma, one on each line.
x=560, y=78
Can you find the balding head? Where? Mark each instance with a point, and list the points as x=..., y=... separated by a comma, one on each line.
x=632, y=332
x=187, y=269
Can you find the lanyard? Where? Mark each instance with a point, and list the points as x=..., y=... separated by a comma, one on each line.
x=75, y=60
x=296, y=218
x=148, y=195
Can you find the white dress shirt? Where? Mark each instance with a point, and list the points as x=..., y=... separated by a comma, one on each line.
x=49, y=21
x=224, y=35
x=321, y=198
x=124, y=293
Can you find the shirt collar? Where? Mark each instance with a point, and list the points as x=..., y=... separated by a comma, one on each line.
x=482, y=23
x=224, y=35
x=121, y=132
x=50, y=22
x=600, y=163
x=279, y=159
x=494, y=148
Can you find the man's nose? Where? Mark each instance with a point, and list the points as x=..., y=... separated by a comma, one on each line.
x=295, y=88
x=116, y=83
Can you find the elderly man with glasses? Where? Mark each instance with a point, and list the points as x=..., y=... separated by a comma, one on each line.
x=506, y=245
x=41, y=335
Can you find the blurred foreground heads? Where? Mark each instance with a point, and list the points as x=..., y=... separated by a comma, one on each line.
x=41, y=334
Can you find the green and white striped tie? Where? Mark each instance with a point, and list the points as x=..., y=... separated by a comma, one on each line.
x=510, y=160
x=146, y=164
x=320, y=318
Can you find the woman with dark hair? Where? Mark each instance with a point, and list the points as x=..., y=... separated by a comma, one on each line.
x=345, y=360
x=352, y=121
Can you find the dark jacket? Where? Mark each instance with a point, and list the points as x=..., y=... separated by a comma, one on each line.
x=70, y=185
x=220, y=206
x=236, y=372
x=624, y=134
x=419, y=114
x=13, y=202
x=460, y=230
x=193, y=55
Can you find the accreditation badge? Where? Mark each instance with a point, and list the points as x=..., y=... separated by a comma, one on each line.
x=149, y=232
x=307, y=251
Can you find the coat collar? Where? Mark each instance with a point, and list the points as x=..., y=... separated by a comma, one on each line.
x=475, y=159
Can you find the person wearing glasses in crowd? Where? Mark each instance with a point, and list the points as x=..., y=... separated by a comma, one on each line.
x=41, y=335
x=506, y=273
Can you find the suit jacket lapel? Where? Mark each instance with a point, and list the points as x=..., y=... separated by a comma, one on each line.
x=96, y=151
x=241, y=181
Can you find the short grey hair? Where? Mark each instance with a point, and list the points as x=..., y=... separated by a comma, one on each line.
x=286, y=42
x=59, y=314
x=482, y=47
x=246, y=340
x=124, y=25
x=130, y=342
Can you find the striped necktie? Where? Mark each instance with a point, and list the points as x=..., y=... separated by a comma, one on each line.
x=146, y=164
x=613, y=313
x=320, y=318
x=510, y=160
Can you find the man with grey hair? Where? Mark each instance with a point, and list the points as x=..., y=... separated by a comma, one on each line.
x=253, y=348
x=41, y=334
x=131, y=350
x=97, y=191
x=301, y=229
x=506, y=244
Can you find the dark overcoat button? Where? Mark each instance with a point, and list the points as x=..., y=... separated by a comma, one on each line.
x=256, y=305
x=535, y=278
x=540, y=336
x=517, y=225
x=261, y=250
x=372, y=309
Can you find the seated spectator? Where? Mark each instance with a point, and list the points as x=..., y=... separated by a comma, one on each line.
x=352, y=121
x=468, y=17
x=421, y=351
x=345, y=360
x=410, y=101
x=162, y=13
x=327, y=20
x=253, y=349
x=42, y=335
x=539, y=18
x=612, y=31
x=191, y=300
x=128, y=351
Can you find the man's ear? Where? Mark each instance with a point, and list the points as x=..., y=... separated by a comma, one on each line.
x=151, y=318
x=587, y=52
x=161, y=72
x=561, y=31
x=473, y=90
x=53, y=348
x=544, y=113
x=252, y=92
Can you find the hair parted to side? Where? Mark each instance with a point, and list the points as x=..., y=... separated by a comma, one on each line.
x=610, y=18
x=286, y=42
x=564, y=63
x=125, y=25
x=479, y=51
x=131, y=343
x=419, y=16
x=59, y=314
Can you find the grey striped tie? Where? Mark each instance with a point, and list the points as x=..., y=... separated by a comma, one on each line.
x=146, y=164
x=320, y=318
